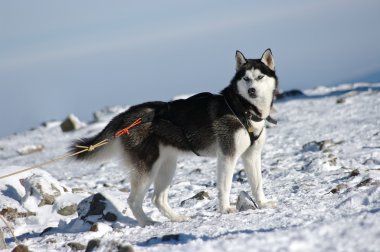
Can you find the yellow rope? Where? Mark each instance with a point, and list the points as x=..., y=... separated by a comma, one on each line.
x=84, y=149
x=91, y=147
x=10, y=229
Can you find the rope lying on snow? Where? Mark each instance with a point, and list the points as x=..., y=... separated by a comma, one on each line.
x=84, y=149
x=10, y=229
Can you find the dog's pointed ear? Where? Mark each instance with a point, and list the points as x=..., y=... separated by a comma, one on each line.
x=240, y=60
x=267, y=59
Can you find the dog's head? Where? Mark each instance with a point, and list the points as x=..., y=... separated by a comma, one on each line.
x=256, y=80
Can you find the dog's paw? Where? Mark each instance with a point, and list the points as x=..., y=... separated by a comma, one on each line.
x=267, y=204
x=229, y=210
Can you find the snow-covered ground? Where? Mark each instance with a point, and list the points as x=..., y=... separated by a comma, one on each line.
x=322, y=163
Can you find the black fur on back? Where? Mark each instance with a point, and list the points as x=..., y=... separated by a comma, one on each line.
x=191, y=124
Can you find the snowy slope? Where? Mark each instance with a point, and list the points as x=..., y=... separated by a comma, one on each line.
x=322, y=163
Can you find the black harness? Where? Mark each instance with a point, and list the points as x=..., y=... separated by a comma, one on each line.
x=248, y=116
x=165, y=114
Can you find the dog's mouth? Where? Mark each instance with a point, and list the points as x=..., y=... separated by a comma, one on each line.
x=252, y=93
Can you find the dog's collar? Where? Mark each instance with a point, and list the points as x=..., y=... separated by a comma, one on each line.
x=252, y=113
x=255, y=118
x=271, y=120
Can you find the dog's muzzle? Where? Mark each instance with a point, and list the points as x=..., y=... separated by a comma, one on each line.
x=252, y=92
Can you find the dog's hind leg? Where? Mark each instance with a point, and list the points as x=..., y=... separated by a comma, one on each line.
x=140, y=182
x=162, y=182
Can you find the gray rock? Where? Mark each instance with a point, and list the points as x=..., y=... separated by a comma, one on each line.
x=368, y=182
x=20, y=248
x=40, y=187
x=318, y=146
x=344, y=97
x=94, y=227
x=199, y=196
x=110, y=217
x=76, y=246
x=71, y=123
x=245, y=202
x=92, y=245
x=93, y=205
x=77, y=190
x=354, y=173
x=30, y=149
x=339, y=188
x=12, y=214
x=96, y=208
x=125, y=248
x=113, y=246
x=170, y=239
x=332, y=160
x=68, y=210
x=341, y=100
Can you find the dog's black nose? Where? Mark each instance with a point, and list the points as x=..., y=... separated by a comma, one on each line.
x=252, y=92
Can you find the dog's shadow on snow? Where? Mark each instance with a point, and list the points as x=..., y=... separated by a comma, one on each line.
x=178, y=239
x=175, y=239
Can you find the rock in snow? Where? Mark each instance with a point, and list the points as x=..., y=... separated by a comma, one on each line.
x=92, y=245
x=29, y=149
x=98, y=208
x=71, y=123
x=76, y=246
x=68, y=210
x=191, y=201
x=41, y=188
x=21, y=248
x=245, y=202
x=318, y=145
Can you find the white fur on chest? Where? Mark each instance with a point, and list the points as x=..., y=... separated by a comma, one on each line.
x=257, y=126
x=243, y=140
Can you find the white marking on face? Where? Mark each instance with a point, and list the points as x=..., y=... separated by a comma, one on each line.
x=263, y=86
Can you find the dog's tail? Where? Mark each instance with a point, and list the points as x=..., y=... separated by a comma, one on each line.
x=95, y=146
x=105, y=144
x=99, y=146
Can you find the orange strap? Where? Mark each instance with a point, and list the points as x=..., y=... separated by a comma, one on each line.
x=126, y=130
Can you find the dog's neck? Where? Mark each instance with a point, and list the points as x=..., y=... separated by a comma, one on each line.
x=241, y=106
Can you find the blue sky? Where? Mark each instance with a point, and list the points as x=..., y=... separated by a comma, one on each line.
x=61, y=57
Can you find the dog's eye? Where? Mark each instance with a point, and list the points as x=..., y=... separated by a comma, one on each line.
x=260, y=77
x=246, y=79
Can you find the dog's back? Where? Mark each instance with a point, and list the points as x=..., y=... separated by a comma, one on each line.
x=188, y=125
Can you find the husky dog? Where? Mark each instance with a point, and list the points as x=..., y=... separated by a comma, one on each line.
x=228, y=126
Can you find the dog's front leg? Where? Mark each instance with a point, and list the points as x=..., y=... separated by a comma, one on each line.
x=252, y=165
x=226, y=166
